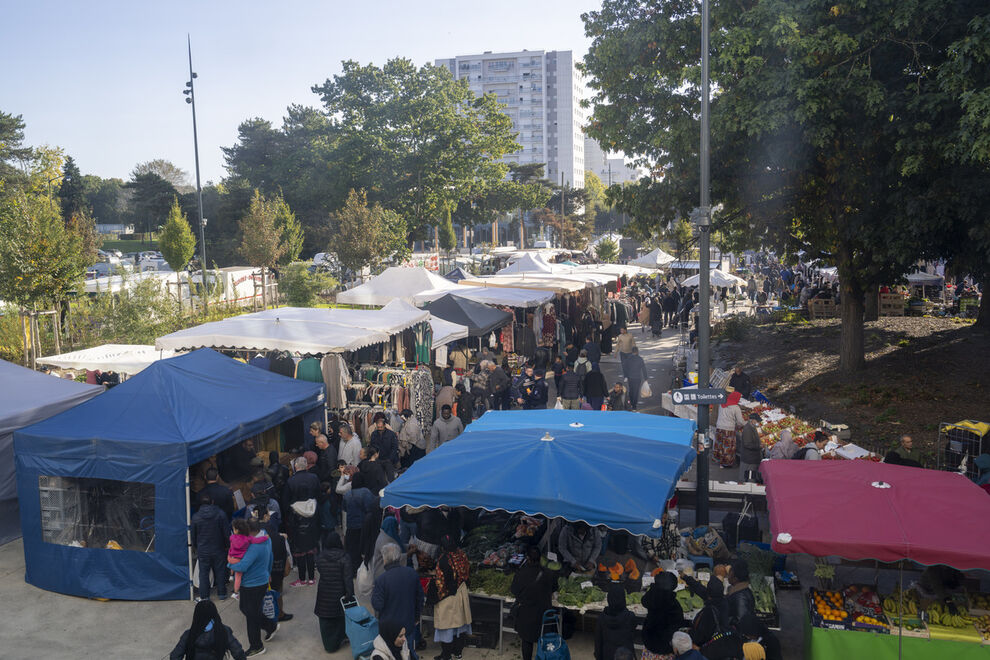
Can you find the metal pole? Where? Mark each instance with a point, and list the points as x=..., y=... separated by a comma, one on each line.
x=189, y=548
x=199, y=190
x=704, y=329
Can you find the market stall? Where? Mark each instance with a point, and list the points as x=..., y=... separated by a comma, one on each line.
x=655, y=259
x=394, y=282
x=104, y=486
x=121, y=358
x=863, y=511
x=28, y=397
x=717, y=278
x=479, y=319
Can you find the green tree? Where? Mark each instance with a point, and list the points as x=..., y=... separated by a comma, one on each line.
x=607, y=251
x=106, y=198
x=365, y=235
x=167, y=170
x=13, y=155
x=261, y=240
x=151, y=200
x=71, y=192
x=681, y=235
x=301, y=287
x=289, y=229
x=822, y=116
x=177, y=243
x=446, y=235
x=595, y=188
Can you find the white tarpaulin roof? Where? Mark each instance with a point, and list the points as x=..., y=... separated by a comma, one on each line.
x=445, y=332
x=123, y=358
x=395, y=282
x=691, y=265
x=543, y=281
x=527, y=263
x=300, y=330
x=717, y=278
x=656, y=259
x=496, y=295
x=616, y=238
x=617, y=270
x=924, y=279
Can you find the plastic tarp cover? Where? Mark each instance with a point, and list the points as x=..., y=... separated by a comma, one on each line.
x=590, y=422
x=615, y=478
x=148, y=430
x=865, y=510
x=28, y=397
x=480, y=319
x=508, y=297
x=457, y=275
x=394, y=282
x=924, y=279
x=397, y=315
x=445, y=332
x=122, y=358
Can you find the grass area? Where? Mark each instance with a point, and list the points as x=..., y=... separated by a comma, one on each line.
x=130, y=246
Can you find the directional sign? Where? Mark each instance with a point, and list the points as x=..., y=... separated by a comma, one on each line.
x=695, y=397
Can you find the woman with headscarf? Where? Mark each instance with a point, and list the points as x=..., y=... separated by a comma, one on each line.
x=364, y=583
x=448, y=593
x=730, y=420
x=391, y=642
x=207, y=638
x=389, y=533
x=664, y=616
x=334, y=567
x=785, y=447
x=533, y=586
x=714, y=615
x=615, y=626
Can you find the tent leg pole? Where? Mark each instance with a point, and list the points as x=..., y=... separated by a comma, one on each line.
x=189, y=537
x=900, y=606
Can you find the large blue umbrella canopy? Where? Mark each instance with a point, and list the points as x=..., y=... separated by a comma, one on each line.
x=616, y=478
x=664, y=429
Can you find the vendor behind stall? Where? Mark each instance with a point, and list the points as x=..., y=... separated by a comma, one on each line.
x=579, y=547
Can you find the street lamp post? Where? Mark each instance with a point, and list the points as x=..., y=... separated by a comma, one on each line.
x=704, y=284
x=190, y=93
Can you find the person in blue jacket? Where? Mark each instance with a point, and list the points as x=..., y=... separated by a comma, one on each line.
x=256, y=568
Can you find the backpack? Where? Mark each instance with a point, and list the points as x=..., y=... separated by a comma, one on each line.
x=800, y=453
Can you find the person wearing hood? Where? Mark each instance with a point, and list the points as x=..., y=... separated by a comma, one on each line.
x=334, y=567
x=663, y=616
x=533, y=586
x=207, y=638
x=391, y=642
x=739, y=599
x=750, y=450
x=445, y=428
x=785, y=447
x=730, y=420
x=615, y=626
x=755, y=632
x=595, y=388
x=210, y=532
x=582, y=366
x=714, y=615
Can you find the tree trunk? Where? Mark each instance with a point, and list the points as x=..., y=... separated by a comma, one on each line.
x=851, y=349
x=522, y=231
x=983, y=316
x=872, y=304
x=264, y=289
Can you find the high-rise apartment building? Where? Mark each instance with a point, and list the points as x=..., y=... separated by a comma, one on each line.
x=542, y=93
x=610, y=169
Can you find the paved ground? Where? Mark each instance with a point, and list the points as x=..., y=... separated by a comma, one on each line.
x=40, y=624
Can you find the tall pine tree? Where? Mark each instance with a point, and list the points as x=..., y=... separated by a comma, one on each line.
x=72, y=192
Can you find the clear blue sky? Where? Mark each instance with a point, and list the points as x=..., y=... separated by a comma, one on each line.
x=104, y=80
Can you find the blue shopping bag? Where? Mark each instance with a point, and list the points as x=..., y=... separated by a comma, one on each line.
x=551, y=644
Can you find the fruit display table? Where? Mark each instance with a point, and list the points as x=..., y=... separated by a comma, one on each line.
x=826, y=644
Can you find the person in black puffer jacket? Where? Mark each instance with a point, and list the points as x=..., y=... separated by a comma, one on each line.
x=201, y=642
x=740, y=599
x=664, y=615
x=615, y=626
x=334, y=567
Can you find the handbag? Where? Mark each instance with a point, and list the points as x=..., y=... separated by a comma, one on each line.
x=269, y=604
x=559, y=405
x=551, y=645
x=645, y=392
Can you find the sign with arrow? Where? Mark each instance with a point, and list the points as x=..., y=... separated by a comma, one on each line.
x=699, y=397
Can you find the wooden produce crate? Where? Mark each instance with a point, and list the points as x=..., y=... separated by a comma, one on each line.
x=822, y=309
x=891, y=304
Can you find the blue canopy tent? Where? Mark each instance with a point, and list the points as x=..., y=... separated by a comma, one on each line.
x=86, y=469
x=603, y=473
x=664, y=429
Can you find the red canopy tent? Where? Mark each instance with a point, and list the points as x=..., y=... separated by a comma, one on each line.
x=864, y=510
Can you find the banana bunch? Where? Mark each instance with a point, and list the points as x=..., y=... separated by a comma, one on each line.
x=979, y=601
x=891, y=605
x=939, y=614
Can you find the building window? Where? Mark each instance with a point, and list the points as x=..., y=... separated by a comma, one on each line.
x=97, y=513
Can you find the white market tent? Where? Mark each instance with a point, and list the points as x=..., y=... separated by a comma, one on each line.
x=28, y=397
x=445, y=332
x=540, y=281
x=527, y=263
x=656, y=259
x=593, y=243
x=924, y=279
x=507, y=297
x=395, y=282
x=717, y=278
x=123, y=358
x=691, y=265
x=299, y=330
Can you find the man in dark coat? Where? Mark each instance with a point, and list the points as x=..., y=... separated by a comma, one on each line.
x=741, y=382
x=594, y=351
x=740, y=598
x=301, y=486
x=499, y=386
x=334, y=567
x=398, y=594
x=533, y=586
x=386, y=441
x=637, y=375
x=663, y=614
x=615, y=627
x=219, y=494
x=210, y=531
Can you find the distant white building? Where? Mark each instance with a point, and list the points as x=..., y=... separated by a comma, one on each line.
x=542, y=93
x=114, y=229
x=608, y=168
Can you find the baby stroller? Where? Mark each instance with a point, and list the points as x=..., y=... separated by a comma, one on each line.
x=361, y=627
